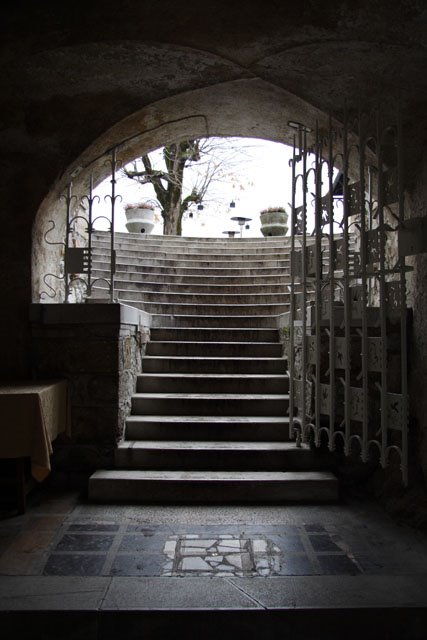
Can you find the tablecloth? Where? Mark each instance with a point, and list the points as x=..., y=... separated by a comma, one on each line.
x=32, y=414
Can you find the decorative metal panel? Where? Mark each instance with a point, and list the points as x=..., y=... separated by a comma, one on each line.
x=340, y=353
x=374, y=354
x=393, y=298
x=325, y=399
x=394, y=411
x=357, y=401
x=338, y=258
x=373, y=246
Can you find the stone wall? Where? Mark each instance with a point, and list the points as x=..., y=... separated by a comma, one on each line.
x=98, y=348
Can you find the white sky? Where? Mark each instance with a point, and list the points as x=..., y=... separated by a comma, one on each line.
x=264, y=174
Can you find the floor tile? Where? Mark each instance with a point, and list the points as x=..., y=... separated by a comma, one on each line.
x=134, y=543
x=137, y=565
x=85, y=542
x=323, y=543
x=288, y=543
x=74, y=565
x=314, y=528
x=338, y=564
x=296, y=565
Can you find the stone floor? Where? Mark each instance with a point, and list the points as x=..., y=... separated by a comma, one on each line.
x=66, y=554
x=62, y=535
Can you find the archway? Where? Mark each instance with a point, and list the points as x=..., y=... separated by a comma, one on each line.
x=246, y=108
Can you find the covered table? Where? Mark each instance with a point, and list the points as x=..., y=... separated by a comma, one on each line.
x=32, y=414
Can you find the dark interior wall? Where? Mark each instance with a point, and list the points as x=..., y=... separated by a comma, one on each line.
x=71, y=70
x=418, y=333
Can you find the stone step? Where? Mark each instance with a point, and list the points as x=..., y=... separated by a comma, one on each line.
x=194, y=270
x=212, y=383
x=177, y=288
x=203, y=364
x=134, y=292
x=263, y=281
x=214, y=334
x=209, y=321
x=212, y=486
x=234, y=404
x=219, y=455
x=189, y=241
x=207, y=427
x=193, y=309
x=169, y=253
x=215, y=349
x=222, y=262
x=141, y=245
x=137, y=283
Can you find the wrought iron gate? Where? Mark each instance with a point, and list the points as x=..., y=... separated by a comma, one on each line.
x=348, y=312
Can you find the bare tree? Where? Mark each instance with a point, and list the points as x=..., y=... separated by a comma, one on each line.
x=216, y=160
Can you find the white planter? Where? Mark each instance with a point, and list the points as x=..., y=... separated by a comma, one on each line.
x=273, y=223
x=140, y=220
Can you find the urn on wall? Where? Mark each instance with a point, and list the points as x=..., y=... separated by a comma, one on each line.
x=140, y=217
x=273, y=221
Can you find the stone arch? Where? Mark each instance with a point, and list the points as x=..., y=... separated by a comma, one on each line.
x=240, y=108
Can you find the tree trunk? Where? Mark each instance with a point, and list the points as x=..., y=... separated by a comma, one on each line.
x=172, y=221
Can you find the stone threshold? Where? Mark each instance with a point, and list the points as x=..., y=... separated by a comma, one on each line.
x=102, y=608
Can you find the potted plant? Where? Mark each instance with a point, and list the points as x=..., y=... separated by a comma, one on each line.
x=273, y=221
x=140, y=217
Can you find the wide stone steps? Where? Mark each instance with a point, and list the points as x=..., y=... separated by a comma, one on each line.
x=207, y=428
x=223, y=456
x=218, y=349
x=203, y=364
x=233, y=404
x=212, y=383
x=212, y=486
x=209, y=416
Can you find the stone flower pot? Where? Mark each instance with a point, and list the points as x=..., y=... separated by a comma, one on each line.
x=273, y=222
x=139, y=218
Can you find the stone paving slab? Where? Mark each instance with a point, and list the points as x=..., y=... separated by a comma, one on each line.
x=29, y=593
x=175, y=593
x=291, y=592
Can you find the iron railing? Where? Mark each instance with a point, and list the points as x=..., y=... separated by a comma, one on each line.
x=76, y=273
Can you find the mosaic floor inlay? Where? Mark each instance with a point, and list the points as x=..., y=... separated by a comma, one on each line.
x=223, y=556
x=253, y=551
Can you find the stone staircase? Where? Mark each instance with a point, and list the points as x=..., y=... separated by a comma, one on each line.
x=209, y=417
